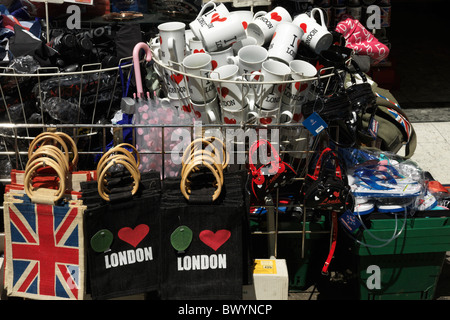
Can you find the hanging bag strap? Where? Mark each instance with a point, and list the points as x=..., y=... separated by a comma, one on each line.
x=326, y=265
x=44, y=138
x=186, y=189
x=274, y=162
x=44, y=195
x=112, y=161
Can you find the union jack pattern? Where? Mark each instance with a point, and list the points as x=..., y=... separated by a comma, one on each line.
x=402, y=120
x=44, y=251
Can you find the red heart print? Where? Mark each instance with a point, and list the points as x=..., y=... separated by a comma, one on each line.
x=186, y=108
x=336, y=194
x=274, y=34
x=275, y=16
x=298, y=42
x=160, y=40
x=301, y=86
x=224, y=92
x=265, y=120
x=133, y=236
x=176, y=78
x=319, y=66
x=245, y=24
x=297, y=117
x=229, y=121
x=216, y=17
x=196, y=113
x=257, y=76
x=281, y=87
x=199, y=51
x=214, y=64
x=303, y=26
x=214, y=240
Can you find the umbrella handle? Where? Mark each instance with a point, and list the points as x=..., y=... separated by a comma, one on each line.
x=137, y=70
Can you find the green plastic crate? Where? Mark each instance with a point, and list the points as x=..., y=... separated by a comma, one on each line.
x=410, y=266
x=303, y=271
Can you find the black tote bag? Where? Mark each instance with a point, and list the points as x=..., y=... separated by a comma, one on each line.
x=123, y=237
x=215, y=263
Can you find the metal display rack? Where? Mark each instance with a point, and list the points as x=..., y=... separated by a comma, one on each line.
x=15, y=137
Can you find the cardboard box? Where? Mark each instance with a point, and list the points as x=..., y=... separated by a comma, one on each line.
x=270, y=281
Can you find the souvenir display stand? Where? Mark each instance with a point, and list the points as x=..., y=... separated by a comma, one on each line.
x=253, y=159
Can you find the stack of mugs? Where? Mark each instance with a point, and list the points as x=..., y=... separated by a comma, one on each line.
x=236, y=67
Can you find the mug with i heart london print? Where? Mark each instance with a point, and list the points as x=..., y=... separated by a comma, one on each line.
x=316, y=35
x=263, y=24
x=223, y=33
x=285, y=42
x=207, y=18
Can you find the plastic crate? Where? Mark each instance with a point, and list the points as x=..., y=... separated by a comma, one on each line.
x=409, y=266
x=304, y=270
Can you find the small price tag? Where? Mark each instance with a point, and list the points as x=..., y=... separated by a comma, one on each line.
x=265, y=267
x=314, y=123
x=349, y=221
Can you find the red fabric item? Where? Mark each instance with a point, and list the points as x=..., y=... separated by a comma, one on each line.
x=361, y=40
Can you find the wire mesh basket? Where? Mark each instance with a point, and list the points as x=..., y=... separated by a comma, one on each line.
x=93, y=95
x=33, y=102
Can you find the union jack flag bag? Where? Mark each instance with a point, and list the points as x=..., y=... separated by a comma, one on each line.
x=44, y=241
x=44, y=249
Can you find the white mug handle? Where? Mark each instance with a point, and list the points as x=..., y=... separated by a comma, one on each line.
x=288, y=114
x=322, y=19
x=248, y=86
x=232, y=60
x=252, y=113
x=154, y=42
x=206, y=5
x=258, y=88
x=258, y=14
x=165, y=102
x=212, y=116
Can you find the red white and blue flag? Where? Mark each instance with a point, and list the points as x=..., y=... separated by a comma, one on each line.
x=44, y=251
x=402, y=120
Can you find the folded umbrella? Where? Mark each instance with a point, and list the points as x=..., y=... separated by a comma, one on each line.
x=361, y=40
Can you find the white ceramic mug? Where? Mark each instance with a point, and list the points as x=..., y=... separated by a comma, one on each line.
x=207, y=113
x=270, y=92
x=154, y=43
x=240, y=116
x=206, y=18
x=297, y=92
x=198, y=66
x=188, y=34
x=274, y=116
x=182, y=105
x=232, y=93
x=220, y=58
x=176, y=84
x=223, y=34
x=285, y=42
x=242, y=43
x=263, y=26
x=245, y=16
x=296, y=113
x=249, y=59
x=172, y=40
x=316, y=36
x=196, y=45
